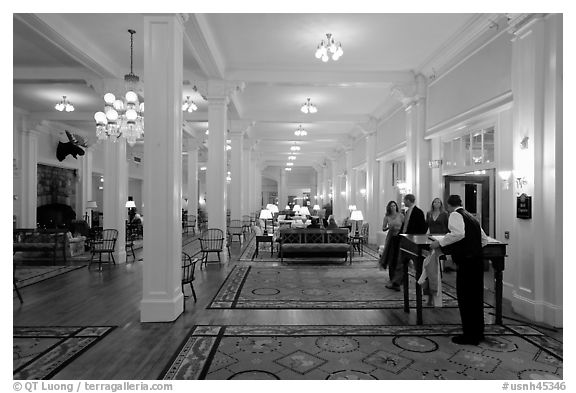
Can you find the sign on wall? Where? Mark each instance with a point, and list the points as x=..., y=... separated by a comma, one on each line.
x=524, y=206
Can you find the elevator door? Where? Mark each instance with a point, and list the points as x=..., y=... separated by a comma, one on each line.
x=475, y=193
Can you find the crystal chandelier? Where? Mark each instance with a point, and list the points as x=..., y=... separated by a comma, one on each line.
x=64, y=104
x=329, y=48
x=122, y=117
x=189, y=105
x=295, y=147
x=308, y=107
x=300, y=131
x=291, y=157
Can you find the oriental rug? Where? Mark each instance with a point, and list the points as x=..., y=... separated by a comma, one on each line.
x=28, y=275
x=301, y=352
x=40, y=352
x=368, y=256
x=313, y=287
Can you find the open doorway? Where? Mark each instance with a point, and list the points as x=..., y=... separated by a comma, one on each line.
x=477, y=196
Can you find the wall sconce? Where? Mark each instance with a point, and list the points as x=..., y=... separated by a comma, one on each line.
x=434, y=164
x=524, y=143
x=343, y=193
x=521, y=182
x=351, y=208
x=363, y=192
x=505, y=177
x=403, y=187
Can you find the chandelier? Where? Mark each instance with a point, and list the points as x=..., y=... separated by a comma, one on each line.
x=329, y=47
x=300, y=131
x=291, y=157
x=295, y=147
x=308, y=107
x=64, y=104
x=189, y=105
x=122, y=117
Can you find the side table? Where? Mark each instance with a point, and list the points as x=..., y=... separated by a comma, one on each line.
x=264, y=239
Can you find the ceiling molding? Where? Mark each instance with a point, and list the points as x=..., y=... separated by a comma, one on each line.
x=307, y=77
x=198, y=37
x=45, y=75
x=54, y=29
x=459, y=44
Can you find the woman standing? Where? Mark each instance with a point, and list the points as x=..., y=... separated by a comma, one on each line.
x=437, y=218
x=392, y=223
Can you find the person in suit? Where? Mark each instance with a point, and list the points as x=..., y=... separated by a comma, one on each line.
x=314, y=223
x=332, y=223
x=414, y=224
x=464, y=242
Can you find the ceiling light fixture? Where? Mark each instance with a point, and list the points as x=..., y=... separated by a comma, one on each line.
x=289, y=164
x=329, y=48
x=300, y=131
x=189, y=105
x=308, y=107
x=288, y=169
x=295, y=147
x=64, y=104
x=122, y=118
x=291, y=158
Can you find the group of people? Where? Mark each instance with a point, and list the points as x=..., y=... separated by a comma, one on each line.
x=463, y=240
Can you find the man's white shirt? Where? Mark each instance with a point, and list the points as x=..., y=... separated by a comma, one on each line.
x=457, y=231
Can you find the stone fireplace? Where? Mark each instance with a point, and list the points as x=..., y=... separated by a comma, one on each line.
x=56, y=196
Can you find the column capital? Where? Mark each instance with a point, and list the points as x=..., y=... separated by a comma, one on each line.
x=408, y=93
x=520, y=24
x=223, y=90
x=369, y=127
x=241, y=127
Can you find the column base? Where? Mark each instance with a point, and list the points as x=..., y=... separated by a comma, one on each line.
x=120, y=256
x=161, y=310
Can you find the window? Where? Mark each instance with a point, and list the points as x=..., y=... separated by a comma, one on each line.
x=472, y=149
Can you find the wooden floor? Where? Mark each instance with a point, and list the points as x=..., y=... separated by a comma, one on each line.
x=141, y=350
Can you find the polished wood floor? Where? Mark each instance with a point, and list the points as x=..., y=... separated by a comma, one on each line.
x=138, y=350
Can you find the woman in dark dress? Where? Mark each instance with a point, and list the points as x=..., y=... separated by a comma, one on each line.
x=392, y=223
x=437, y=218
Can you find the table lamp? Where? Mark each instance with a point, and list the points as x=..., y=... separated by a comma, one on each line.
x=90, y=206
x=265, y=214
x=130, y=205
x=356, y=216
x=316, y=208
x=304, y=211
x=296, y=208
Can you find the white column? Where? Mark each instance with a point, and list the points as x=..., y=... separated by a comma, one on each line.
x=325, y=186
x=534, y=267
x=216, y=198
x=282, y=190
x=372, y=189
x=248, y=176
x=116, y=193
x=29, y=179
x=86, y=183
x=236, y=173
x=252, y=189
x=162, y=298
x=319, y=182
x=336, y=197
x=192, y=192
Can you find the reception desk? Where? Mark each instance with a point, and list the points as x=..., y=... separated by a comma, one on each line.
x=413, y=246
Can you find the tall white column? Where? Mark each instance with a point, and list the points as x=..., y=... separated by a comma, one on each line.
x=248, y=176
x=238, y=177
x=86, y=183
x=116, y=193
x=252, y=189
x=162, y=298
x=319, y=172
x=535, y=266
x=216, y=198
x=282, y=190
x=192, y=183
x=372, y=186
x=29, y=179
x=325, y=185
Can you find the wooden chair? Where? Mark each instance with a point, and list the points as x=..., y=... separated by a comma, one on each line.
x=104, y=245
x=364, y=230
x=190, y=223
x=188, y=267
x=211, y=240
x=235, y=229
x=246, y=225
x=131, y=234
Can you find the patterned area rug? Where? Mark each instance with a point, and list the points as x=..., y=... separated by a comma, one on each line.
x=40, y=352
x=28, y=275
x=367, y=256
x=307, y=287
x=363, y=352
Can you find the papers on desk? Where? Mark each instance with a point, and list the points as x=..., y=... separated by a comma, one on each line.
x=436, y=237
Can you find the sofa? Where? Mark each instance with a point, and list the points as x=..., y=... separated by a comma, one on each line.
x=40, y=240
x=314, y=243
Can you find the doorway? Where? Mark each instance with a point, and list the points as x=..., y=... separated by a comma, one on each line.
x=477, y=198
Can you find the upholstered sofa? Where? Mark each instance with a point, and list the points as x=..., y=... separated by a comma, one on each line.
x=314, y=243
x=39, y=240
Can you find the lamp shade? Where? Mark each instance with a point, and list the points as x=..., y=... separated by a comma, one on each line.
x=304, y=211
x=287, y=207
x=130, y=204
x=273, y=208
x=91, y=205
x=357, y=215
x=316, y=207
x=265, y=214
x=296, y=208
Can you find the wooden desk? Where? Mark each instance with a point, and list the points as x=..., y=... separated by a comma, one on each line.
x=413, y=245
x=264, y=239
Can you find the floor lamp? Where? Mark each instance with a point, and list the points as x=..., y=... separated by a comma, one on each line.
x=90, y=206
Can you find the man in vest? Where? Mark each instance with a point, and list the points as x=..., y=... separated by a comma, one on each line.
x=464, y=242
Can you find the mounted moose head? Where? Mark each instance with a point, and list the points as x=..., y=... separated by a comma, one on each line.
x=73, y=146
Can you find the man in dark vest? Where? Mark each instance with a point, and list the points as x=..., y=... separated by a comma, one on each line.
x=464, y=242
x=414, y=224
